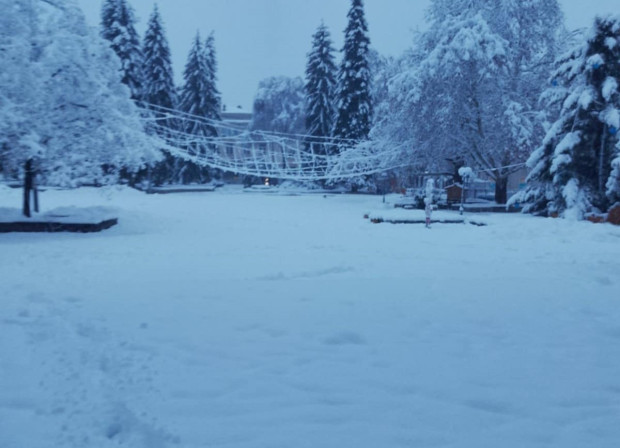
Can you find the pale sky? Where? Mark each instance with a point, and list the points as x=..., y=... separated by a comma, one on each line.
x=256, y=39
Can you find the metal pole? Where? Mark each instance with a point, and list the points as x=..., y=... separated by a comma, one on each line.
x=462, y=208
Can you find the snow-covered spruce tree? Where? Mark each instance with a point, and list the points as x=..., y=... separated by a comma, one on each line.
x=213, y=96
x=118, y=27
x=199, y=97
x=353, y=102
x=469, y=88
x=159, y=89
x=65, y=114
x=159, y=86
x=611, y=93
x=109, y=15
x=575, y=171
x=539, y=191
x=320, y=86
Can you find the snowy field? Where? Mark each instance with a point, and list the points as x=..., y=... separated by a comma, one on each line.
x=230, y=319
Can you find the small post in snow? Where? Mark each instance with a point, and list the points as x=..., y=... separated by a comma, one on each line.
x=466, y=174
x=28, y=186
x=428, y=201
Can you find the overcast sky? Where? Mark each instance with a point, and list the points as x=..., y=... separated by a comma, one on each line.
x=256, y=39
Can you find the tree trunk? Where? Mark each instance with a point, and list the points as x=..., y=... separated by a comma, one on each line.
x=28, y=183
x=501, y=190
x=601, y=164
x=35, y=192
x=149, y=177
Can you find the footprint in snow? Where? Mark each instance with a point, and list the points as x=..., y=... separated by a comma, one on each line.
x=345, y=338
x=605, y=281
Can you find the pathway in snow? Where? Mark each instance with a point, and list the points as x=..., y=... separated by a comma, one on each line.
x=232, y=320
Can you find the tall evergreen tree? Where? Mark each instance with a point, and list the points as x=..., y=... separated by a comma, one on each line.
x=213, y=96
x=199, y=95
x=159, y=86
x=354, y=105
x=195, y=100
x=194, y=92
x=109, y=14
x=118, y=27
x=320, y=86
x=573, y=171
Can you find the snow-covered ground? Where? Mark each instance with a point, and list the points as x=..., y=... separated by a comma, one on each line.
x=233, y=320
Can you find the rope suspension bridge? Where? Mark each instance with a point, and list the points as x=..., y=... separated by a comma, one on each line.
x=219, y=145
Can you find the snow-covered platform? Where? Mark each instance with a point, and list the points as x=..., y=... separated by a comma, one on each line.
x=262, y=189
x=419, y=217
x=65, y=219
x=288, y=189
x=167, y=189
x=486, y=207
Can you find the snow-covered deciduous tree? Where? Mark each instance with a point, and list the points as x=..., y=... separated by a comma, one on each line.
x=575, y=171
x=469, y=88
x=459, y=96
x=279, y=105
x=353, y=102
x=64, y=113
x=390, y=129
x=320, y=88
x=118, y=27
